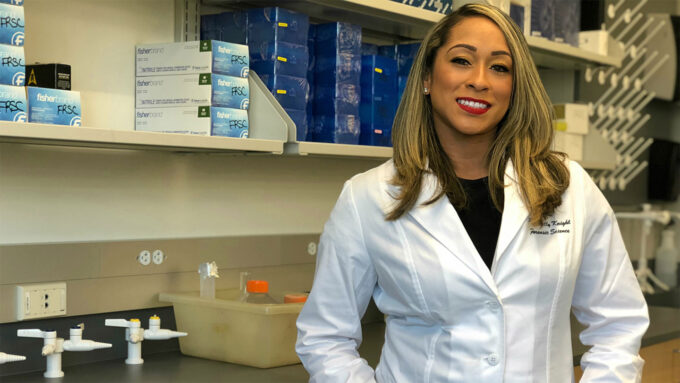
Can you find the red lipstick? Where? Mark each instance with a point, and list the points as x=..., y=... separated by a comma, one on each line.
x=472, y=105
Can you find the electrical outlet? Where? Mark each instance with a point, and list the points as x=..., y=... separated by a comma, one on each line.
x=158, y=257
x=144, y=257
x=41, y=300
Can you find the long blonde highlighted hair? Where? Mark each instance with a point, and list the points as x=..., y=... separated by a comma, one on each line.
x=524, y=135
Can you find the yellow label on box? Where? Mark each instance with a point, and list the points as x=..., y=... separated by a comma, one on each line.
x=281, y=91
x=285, y=25
x=282, y=59
x=560, y=126
x=378, y=70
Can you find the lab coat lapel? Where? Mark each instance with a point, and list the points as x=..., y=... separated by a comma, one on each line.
x=441, y=220
x=515, y=214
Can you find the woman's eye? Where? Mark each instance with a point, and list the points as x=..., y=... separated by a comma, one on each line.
x=460, y=60
x=500, y=68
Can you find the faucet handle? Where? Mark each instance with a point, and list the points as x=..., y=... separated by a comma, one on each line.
x=123, y=323
x=36, y=333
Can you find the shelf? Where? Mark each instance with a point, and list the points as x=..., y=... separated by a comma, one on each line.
x=404, y=22
x=564, y=56
x=43, y=134
x=337, y=150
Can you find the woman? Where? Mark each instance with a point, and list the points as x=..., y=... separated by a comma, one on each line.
x=476, y=240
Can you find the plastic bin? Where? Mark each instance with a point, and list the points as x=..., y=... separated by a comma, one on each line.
x=224, y=329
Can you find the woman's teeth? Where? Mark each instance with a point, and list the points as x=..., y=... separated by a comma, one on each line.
x=473, y=104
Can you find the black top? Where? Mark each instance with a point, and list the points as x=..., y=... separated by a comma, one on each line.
x=480, y=217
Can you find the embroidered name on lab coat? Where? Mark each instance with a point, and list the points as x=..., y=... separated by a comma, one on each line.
x=552, y=227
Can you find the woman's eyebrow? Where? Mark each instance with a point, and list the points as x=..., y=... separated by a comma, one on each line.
x=474, y=49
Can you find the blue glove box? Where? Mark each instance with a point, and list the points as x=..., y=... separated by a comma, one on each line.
x=339, y=129
x=403, y=53
x=299, y=117
x=279, y=58
x=291, y=92
x=333, y=38
x=339, y=99
x=344, y=67
x=277, y=24
x=378, y=76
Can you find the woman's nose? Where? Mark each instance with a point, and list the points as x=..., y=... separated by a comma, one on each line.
x=478, y=79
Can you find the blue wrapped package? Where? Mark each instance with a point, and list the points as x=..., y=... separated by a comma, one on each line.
x=299, y=117
x=543, y=18
x=339, y=129
x=311, y=41
x=401, y=86
x=277, y=24
x=568, y=24
x=378, y=76
x=279, y=58
x=375, y=135
x=345, y=67
x=334, y=38
x=338, y=99
x=291, y=92
x=232, y=27
x=377, y=116
x=369, y=49
x=403, y=53
x=378, y=99
x=517, y=15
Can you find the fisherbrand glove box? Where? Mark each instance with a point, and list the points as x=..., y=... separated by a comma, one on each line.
x=192, y=90
x=201, y=120
x=205, y=56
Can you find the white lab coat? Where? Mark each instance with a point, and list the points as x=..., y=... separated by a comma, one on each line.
x=451, y=319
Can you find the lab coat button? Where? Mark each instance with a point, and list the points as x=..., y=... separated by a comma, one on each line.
x=492, y=359
x=493, y=306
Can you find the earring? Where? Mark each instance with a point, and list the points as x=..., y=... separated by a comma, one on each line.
x=425, y=91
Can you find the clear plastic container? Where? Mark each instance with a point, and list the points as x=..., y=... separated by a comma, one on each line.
x=258, y=292
x=225, y=329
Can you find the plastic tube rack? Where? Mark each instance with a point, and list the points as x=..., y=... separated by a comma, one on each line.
x=617, y=113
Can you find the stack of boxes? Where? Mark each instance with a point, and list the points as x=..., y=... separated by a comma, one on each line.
x=571, y=127
x=278, y=40
x=311, y=43
x=195, y=87
x=378, y=99
x=557, y=20
x=13, y=104
x=337, y=79
x=42, y=102
x=404, y=54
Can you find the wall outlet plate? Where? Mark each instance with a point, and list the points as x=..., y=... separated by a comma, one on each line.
x=41, y=300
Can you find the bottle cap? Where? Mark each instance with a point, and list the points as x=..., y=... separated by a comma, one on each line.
x=255, y=286
x=294, y=298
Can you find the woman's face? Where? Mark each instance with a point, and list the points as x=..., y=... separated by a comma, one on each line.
x=471, y=80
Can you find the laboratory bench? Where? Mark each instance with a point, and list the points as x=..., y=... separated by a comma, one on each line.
x=175, y=367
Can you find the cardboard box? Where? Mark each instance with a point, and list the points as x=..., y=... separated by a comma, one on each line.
x=572, y=118
x=53, y=106
x=594, y=41
x=55, y=76
x=11, y=25
x=12, y=65
x=192, y=90
x=569, y=143
x=205, y=56
x=200, y=120
x=13, y=103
